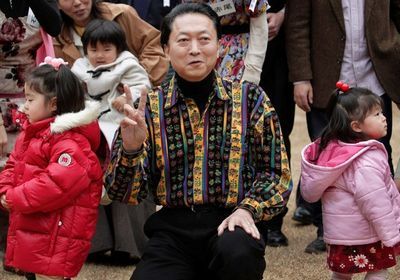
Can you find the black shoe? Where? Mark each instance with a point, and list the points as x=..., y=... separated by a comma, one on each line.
x=116, y=258
x=302, y=215
x=30, y=276
x=316, y=247
x=275, y=238
x=98, y=258
x=120, y=258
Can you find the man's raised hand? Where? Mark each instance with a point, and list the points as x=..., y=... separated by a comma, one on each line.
x=133, y=126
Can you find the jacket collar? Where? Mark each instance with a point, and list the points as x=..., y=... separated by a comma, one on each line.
x=69, y=121
x=110, y=11
x=40, y=127
x=338, y=11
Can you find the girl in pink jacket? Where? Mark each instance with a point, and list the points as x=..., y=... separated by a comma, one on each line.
x=347, y=169
x=51, y=184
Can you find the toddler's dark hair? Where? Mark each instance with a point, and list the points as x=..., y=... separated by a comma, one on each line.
x=104, y=31
x=343, y=108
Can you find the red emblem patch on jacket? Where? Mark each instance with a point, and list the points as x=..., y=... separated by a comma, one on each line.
x=64, y=159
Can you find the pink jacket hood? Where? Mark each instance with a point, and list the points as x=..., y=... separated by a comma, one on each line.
x=360, y=201
x=332, y=162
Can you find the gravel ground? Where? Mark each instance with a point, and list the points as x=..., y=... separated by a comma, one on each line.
x=285, y=263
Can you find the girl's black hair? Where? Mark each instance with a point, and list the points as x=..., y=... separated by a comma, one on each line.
x=104, y=31
x=95, y=12
x=62, y=84
x=343, y=108
x=183, y=9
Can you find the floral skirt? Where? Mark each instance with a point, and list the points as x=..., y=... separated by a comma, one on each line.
x=360, y=258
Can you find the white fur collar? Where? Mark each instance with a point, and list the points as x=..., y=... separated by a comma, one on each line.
x=68, y=121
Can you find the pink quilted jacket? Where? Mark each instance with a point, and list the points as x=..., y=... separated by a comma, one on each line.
x=360, y=202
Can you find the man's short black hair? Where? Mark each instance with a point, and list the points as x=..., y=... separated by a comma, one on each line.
x=187, y=8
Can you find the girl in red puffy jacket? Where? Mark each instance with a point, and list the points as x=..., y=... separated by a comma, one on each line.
x=51, y=184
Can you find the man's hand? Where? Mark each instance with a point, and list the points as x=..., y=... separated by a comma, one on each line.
x=241, y=218
x=275, y=21
x=303, y=95
x=3, y=202
x=133, y=126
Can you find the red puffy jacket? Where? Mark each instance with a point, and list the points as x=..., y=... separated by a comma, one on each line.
x=52, y=183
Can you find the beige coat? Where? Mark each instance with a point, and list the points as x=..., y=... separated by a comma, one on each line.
x=143, y=41
x=315, y=34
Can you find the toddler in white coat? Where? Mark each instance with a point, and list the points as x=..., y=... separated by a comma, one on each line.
x=106, y=67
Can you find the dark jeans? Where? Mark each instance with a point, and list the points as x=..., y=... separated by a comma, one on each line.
x=316, y=122
x=184, y=245
x=275, y=82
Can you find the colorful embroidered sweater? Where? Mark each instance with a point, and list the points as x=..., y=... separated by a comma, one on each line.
x=231, y=156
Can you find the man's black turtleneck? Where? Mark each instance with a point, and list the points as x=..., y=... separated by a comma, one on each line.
x=198, y=91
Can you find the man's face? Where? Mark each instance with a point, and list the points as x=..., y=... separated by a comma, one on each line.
x=192, y=46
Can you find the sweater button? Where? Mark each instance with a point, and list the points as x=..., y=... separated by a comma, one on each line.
x=59, y=223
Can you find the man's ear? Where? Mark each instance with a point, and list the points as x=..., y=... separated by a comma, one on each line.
x=166, y=50
x=355, y=126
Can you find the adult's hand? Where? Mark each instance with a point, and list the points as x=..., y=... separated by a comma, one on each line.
x=3, y=141
x=133, y=126
x=3, y=202
x=303, y=95
x=241, y=218
x=275, y=21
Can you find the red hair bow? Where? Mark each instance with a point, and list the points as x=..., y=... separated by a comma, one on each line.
x=342, y=86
